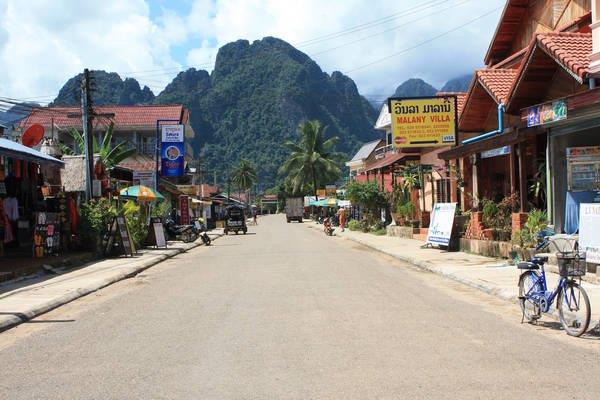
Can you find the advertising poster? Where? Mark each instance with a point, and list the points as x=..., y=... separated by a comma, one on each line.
x=546, y=113
x=440, y=227
x=589, y=235
x=172, y=150
x=423, y=121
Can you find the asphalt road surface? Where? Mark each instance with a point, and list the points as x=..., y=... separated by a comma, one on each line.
x=288, y=313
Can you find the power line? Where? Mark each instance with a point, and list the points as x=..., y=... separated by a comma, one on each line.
x=388, y=30
x=424, y=42
x=371, y=24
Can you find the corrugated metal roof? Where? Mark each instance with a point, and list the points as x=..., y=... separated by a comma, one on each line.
x=9, y=148
x=366, y=150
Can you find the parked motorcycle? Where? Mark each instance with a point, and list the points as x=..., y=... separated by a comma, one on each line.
x=200, y=230
x=185, y=233
x=327, y=228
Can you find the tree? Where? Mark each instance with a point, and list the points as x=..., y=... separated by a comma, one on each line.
x=109, y=156
x=244, y=176
x=313, y=161
x=367, y=195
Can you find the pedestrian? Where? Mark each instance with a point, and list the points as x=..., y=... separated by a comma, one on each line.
x=255, y=216
x=342, y=218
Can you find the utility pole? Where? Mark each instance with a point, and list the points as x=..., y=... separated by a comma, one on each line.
x=86, y=119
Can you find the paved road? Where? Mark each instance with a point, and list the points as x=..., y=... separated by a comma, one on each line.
x=287, y=313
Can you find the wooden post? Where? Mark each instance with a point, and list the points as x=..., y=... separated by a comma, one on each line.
x=475, y=177
x=522, y=179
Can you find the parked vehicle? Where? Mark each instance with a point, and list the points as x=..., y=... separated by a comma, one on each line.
x=327, y=228
x=294, y=209
x=185, y=233
x=200, y=230
x=235, y=220
x=572, y=301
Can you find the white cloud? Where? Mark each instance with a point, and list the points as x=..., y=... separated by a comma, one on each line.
x=42, y=44
x=49, y=42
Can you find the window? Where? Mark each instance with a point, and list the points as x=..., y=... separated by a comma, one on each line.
x=442, y=191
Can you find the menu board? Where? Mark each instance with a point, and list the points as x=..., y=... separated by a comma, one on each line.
x=156, y=234
x=118, y=230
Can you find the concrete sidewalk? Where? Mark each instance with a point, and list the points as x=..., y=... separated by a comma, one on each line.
x=492, y=276
x=24, y=300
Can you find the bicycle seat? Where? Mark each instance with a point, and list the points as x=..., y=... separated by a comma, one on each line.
x=527, y=265
x=541, y=258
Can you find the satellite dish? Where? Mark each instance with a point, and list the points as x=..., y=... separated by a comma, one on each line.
x=33, y=135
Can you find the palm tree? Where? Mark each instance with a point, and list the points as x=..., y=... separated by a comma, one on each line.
x=313, y=159
x=109, y=156
x=244, y=176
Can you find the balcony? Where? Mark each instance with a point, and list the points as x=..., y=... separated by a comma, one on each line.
x=382, y=151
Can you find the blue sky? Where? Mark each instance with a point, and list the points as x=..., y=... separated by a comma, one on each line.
x=152, y=40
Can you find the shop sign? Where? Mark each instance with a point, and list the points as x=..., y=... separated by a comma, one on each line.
x=184, y=210
x=172, y=150
x=144, y=178
x=589, y=236
x=583, y=152
x=546, y=113
x=440, y=227
x=501, y=151
x=423, y=121
x=330, y=190
x=321, y=193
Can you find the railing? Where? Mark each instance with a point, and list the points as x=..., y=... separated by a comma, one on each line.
x=382, y=151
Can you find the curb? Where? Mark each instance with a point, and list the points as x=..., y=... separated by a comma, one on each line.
x=9, y=322
x=490, y=290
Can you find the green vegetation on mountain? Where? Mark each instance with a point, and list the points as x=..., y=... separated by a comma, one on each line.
x=460, y=84
x=251, y=104
x=108, y=88
x=415, y=88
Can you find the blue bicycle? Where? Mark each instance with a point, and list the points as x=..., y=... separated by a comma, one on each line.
x=572, y=301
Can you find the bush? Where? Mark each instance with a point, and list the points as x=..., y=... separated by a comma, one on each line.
x=163, y=209
x=95, y=218
x=379, y=232
x=490, y=211
x=136, y=222
x=527, y=237
x=354, y=225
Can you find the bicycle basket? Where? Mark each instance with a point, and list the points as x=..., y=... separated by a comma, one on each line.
x=571, y=264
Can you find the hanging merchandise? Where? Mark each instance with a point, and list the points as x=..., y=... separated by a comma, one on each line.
x=46, y=235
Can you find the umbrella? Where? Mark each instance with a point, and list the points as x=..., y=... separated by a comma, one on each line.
x=141, y=193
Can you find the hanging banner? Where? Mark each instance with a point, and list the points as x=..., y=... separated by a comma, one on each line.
x=184, y=210
x=172, y=150
x=423, y=121
x=440, y=227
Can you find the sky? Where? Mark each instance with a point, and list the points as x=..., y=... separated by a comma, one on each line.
x=378, y=43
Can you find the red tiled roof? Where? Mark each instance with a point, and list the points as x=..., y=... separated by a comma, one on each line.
x=461, y=97
x=497, y=82
x=571, y=50
x=206, y=190
x=125, y=116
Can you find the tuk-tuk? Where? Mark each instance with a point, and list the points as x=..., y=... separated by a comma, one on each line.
x=235, y=220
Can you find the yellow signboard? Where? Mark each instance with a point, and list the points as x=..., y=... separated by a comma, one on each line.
x=321, y=193
x=423, y=121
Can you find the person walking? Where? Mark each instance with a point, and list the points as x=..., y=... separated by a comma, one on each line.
x=342, y=218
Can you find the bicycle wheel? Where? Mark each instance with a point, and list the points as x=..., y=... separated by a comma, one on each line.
x=529, y=285
x=574, y=309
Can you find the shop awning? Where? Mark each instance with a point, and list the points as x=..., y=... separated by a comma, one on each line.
x=8, y=148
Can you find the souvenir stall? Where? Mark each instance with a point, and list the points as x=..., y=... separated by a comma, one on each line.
x=32, y=207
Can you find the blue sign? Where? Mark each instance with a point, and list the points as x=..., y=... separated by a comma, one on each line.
x=172, y=151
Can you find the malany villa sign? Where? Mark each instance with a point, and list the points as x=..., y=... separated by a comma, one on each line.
x=423, y=121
